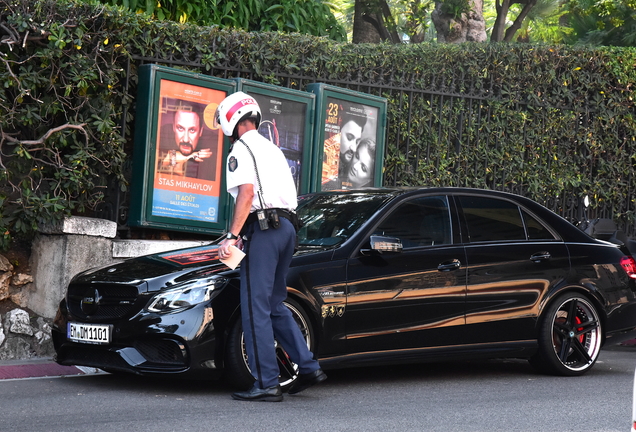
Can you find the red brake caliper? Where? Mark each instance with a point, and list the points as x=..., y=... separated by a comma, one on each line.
x=577, y=320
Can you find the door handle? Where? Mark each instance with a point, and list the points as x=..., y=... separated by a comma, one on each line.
x=449, y=265
x=540, y=256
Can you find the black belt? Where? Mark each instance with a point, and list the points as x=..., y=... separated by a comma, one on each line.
x=281, y=213
x=253, y=217
x=286, y=214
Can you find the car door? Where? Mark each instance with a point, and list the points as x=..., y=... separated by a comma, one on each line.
x=413, y=298
x=513, y=259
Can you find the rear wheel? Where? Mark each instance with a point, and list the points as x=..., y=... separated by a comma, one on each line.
x=237, y=369
x=570, y=336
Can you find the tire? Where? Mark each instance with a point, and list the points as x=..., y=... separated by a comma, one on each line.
x=570, y=336
x=237, y=370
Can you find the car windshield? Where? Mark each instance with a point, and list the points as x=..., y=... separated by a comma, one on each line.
x=329, y=219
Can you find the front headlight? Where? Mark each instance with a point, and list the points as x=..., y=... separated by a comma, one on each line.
x=186, y=295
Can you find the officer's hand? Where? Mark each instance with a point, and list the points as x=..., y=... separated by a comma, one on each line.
x=224, y=248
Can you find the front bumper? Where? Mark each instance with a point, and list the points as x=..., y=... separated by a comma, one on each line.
x=178, y=343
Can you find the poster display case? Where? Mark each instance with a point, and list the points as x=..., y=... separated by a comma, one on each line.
x=332, y=138
x=287, y=122
x=349, y=139
x=179, y=154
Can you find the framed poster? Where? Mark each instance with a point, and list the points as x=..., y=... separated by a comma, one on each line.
x=349, y=139
x=287, y=122
x=179, y=153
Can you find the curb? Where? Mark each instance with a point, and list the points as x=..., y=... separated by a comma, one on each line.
x=41, y=368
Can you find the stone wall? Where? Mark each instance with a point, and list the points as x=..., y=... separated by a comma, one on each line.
x=62, y=251
x=12, y=283
x=30, y=299
x=22, y=335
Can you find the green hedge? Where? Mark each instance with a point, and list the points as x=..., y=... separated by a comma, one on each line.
x=545, y=121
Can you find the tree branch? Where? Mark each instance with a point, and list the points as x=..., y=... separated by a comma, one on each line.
x=47, y=135
x=497, y=33
x=516, y=25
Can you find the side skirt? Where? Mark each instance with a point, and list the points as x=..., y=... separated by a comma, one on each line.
x=516, y=349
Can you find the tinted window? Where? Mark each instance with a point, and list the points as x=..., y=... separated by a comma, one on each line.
x=330, y=219
x=491, y=219
x=419, y=222
x=535, y=230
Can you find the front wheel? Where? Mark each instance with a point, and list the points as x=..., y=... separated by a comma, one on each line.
x=237, y=368
x=570, y=336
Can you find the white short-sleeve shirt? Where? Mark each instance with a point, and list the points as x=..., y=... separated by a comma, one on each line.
x=279, y=189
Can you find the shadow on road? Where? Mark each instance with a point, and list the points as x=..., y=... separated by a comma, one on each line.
x=396, y=374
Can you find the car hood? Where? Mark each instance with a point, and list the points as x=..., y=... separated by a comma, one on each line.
x=165, y=268
x=175, y=265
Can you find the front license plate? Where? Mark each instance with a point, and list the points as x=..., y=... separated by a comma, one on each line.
x=89, y=333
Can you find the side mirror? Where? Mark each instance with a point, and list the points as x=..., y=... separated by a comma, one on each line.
x=386, y=244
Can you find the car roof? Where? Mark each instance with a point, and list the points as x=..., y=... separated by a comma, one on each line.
x=405, y=189
x=566, y=229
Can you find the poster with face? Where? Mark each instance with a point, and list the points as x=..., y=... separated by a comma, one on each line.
x=189, y=151
x=283, y=123
x=349, y=153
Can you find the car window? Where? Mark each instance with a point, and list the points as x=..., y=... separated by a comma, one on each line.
x=491, y=219
x=419, y=222
x=535, y=229
x=328, y=220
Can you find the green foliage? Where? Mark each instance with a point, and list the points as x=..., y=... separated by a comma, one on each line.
x=314, y=17
x=604, y=22
x=456, y=8
x=545, y=121
x=549, y=123
x=61, y=100
x=412, y=18
x=544, y=22
x=409, y=18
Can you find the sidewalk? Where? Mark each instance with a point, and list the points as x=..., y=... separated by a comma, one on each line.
x=41, y=367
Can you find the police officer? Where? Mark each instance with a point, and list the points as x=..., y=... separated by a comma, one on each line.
x=259, y=179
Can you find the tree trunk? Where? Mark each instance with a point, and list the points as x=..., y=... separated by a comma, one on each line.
x=370, y=22
x=367, y=23
x=498, y=28
x=499, y=32
x=469, y=27
x=510, y=32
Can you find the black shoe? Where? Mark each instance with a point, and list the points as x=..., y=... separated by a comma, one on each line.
x=304, y=381
x=270, y=394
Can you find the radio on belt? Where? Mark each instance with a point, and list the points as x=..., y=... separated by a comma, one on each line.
x=262, y=219
x=273, y=218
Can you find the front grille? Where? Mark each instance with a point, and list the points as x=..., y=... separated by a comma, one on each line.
x=160, y=355
x=93, y=357
x=161, y=352
x=102, y=301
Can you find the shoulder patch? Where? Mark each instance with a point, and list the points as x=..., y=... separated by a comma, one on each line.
x=232, y=164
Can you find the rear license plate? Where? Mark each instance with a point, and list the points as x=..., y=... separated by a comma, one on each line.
x=89, y=333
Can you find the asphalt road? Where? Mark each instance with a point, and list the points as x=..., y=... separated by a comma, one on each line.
x=489, y=395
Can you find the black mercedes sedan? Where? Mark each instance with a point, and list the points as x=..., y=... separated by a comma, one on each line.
x=381, y=276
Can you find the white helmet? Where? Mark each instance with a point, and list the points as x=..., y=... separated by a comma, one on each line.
x=234, y=108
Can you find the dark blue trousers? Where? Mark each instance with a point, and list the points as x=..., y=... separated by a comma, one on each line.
x=264, y=316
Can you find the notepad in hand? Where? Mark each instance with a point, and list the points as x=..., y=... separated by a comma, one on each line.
x=236, y=255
